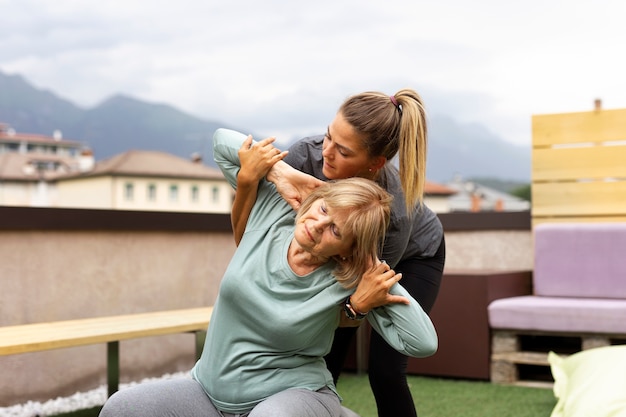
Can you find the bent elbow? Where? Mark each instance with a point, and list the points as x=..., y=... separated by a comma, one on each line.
x=431, y=348
x=427, y=347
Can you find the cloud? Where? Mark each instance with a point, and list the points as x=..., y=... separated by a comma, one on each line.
x=280, y=66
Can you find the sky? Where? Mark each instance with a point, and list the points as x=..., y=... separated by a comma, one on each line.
x=283, y=67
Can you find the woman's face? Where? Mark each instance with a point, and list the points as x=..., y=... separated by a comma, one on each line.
x=344, y=153
x=320, y=232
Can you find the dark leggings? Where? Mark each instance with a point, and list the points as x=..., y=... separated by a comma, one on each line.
x=387, y=367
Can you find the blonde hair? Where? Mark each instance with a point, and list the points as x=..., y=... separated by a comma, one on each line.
x=367, y=207
x=394, y=125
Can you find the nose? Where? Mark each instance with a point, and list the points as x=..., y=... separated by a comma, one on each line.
x=327, y=149
x=320, y=223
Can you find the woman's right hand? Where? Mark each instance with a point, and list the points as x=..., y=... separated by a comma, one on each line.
x=373, y=289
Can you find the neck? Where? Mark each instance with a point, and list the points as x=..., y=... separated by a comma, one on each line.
x=301, y=261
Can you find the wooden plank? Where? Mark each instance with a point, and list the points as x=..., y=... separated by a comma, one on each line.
x=53, y=335
x=534, y=384
x=592, y=162
x=581, y=127
x=577, y=219
x=526, y=358
x=579, y=199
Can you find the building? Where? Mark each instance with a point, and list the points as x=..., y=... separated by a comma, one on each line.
x=475, y=197
x=29, y=164
x=44, y=171
x=437, y=196
x=147, y=180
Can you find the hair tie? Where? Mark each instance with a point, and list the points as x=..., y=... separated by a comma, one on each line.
x=394, y=101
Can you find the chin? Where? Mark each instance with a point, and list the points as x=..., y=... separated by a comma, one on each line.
x=329, y=173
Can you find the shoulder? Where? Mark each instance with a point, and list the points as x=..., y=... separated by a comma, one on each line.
x=305, y=147
x=306, y=155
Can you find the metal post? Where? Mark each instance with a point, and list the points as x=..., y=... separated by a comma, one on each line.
x=113, y=366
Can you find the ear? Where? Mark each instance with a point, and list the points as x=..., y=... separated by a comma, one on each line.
x=377, y=163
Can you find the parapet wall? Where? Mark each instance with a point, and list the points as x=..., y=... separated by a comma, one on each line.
x=60, y=264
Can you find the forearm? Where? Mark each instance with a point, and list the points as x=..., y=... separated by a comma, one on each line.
x=293, y=185
x=278, y=171
x=245, y=197
x=226, y=144
x=406, y=327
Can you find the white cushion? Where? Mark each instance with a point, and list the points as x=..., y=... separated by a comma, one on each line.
x=590, y=383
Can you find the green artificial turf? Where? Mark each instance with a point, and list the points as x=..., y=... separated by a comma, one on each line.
x=435, y=397
x=438, y=397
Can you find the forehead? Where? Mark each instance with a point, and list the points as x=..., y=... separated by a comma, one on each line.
x=343, y=133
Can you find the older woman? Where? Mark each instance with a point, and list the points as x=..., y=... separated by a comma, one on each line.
x=280, y=301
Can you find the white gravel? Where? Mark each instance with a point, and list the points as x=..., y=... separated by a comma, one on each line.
x=78, y=401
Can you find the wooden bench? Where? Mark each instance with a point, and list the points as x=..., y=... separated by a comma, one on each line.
x=110, y=330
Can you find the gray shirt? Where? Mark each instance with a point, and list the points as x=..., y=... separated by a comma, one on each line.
x=418, y=236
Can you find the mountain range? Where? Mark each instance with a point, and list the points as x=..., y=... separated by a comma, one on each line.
x=121, y=123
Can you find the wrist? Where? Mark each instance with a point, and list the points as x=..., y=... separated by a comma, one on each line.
x=358, y=306
x=274, y=172
x=351, y=311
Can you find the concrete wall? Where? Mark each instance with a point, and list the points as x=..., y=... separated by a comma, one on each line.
x=498, y=250
x=48, y=275
x=58, y=264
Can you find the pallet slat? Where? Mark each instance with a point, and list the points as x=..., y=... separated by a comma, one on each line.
x=572, y=164
x=580, y=127
x=507, y=355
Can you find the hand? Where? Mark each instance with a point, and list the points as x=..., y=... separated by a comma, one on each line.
x=373, y=289
x=257, y=159
x=294, y=186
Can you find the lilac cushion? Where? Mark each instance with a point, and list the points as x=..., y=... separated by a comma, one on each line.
x=580, y=315
x=580, y=260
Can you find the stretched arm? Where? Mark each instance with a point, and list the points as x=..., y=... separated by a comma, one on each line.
x=293, y=185
x=394, y=314
x=256, y=160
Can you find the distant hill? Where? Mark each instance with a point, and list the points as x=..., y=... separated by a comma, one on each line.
x=472, y=151
x=121, y=123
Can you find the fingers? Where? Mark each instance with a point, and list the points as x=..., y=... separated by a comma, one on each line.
x=381, y=267
x=266, y=148
x=398, y=299
x=266, y=141
x=295, y=204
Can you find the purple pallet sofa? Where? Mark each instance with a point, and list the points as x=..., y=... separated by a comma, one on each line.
x=579, y=289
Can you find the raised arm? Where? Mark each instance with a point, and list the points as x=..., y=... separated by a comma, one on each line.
x=256, y=159
x=293, y=185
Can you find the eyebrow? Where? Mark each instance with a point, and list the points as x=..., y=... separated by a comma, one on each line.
x=341, y=147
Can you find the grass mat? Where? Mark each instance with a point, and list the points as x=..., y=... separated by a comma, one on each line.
x=436, y=397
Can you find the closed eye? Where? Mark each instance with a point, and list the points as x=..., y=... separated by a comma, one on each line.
x=333, y=227
x=343, y=151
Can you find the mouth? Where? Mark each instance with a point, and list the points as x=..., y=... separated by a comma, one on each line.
x=308, y=233
x=329, y=166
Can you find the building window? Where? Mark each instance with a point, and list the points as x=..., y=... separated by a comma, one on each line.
x=173, y=192
x=129, y=191
x=195, y=193
x=151, y=192
x=215, y=194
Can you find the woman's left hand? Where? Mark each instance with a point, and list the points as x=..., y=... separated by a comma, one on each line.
x=256, y=159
